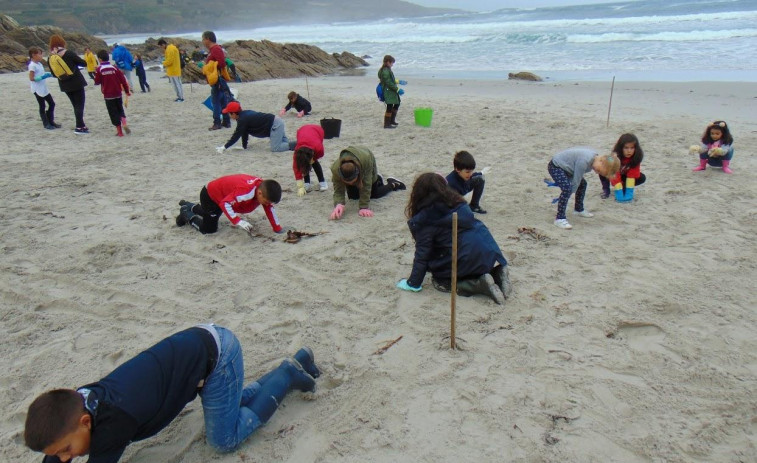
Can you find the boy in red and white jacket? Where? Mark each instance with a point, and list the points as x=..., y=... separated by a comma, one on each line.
x=112, y=81
x=307, y=152
x=231, y=195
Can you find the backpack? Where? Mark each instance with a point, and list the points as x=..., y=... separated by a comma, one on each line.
x=380, y=91
x=210, y=70
x=59, y=67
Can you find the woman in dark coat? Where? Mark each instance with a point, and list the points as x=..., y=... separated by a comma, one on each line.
x=481, y=267
x=71, y=84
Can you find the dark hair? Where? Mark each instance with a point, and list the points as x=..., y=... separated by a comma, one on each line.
x=34, y=51
x=56, y=41
x=51, y=416
x=210, y=35
x=638, y=154
x=349, y=171
x=727, y=138
x=102, y=55
x=464, y=160
x=302, y=158
x=430, y=188
x=387, y=59
x=271, y=190
x=291, y=96
x=162, y=42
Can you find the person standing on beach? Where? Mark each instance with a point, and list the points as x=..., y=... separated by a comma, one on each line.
x=124, y=61
x=219, y=92
x=391, y=92
x=139, y=68
x=172, y=67
x=112, y=81
x=92, y=62
x=147, y=392
x=355, y=175
x=37, y=76
x=64, y=65
x=259, y=125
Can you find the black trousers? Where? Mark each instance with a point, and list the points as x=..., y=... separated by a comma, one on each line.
x=318, y=173
x=47, y=116
x=77, y=98
x=378, y=190
x=115, y=110
x=210, y=213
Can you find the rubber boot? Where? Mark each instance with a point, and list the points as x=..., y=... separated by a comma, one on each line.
x=51, y=118
x=482, y=285
x=726, y=167
x=501, y=275
x=307, y=360
x=185, y=213
x=393, y=121
x=388, y=120
x=119, y=132
x=46, y=123
x=702, y=165
x=288, y=376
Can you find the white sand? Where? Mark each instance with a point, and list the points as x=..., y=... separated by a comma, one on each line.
x=630, y=338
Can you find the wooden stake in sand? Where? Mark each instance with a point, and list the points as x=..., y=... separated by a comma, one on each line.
x=453, y=292
x=307, y=85
x=612, y=88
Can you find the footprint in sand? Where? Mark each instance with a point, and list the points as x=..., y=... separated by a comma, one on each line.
x=644, y=337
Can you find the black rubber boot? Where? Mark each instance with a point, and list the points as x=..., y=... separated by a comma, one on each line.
x=482, y=285
x=393, y=121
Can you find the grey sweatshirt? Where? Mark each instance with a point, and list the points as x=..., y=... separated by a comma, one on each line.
x=575, y=161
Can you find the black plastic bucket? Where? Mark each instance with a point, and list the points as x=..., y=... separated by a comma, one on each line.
x=331, y=127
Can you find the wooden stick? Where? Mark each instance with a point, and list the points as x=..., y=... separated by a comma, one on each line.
x=453, y=295
x=387, y=346
x=307, y=85
x=612, y=88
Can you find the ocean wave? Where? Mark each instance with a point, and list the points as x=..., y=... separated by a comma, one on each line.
x=691, y=36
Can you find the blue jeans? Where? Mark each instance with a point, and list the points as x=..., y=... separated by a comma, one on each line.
x=279, y=140
x=228, y=422
x=219, y=95
x=717, y=161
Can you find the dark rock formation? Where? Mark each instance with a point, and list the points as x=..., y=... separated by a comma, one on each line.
x=524, y=76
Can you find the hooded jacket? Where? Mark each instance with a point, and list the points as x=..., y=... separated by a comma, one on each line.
x=366, y=162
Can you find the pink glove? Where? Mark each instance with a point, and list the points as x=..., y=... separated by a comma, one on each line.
x=365, y=213
x=282, y=112
x=337, y=212
x=301, y=113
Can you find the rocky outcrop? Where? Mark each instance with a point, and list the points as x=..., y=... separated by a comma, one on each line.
x=15, y=41
x=524, y=76
x=254, y=60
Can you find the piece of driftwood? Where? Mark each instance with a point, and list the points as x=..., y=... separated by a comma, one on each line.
x=387, y=346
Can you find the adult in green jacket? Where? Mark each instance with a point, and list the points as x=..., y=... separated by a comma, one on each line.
x=355, y=173
x=391, y=92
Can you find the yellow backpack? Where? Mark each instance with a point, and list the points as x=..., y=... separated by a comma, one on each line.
x=59, y=67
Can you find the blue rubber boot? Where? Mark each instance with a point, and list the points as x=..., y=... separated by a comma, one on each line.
x=307, y=360
x=288, y=376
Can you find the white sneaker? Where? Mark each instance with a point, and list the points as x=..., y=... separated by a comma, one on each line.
x=323, y=186
x=563, y=223
x=584, y=213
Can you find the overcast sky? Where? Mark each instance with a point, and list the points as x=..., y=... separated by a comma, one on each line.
x=489, y=5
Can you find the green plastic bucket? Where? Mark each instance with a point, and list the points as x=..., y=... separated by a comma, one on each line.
x=423, y=116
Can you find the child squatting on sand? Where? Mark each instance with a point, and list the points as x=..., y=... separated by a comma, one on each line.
x=464, y=180
x=144, y=394
x=568, y=168
x=307, y=152
x=629, y=151
x=716, y=148
x=481, y=267
x=231, y=195
x=299, y=103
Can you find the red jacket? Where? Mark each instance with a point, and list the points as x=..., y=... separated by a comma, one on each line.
x=111, y=80
x=308, y=136
x=217, y=54
x=626, y=170
x=235, y=194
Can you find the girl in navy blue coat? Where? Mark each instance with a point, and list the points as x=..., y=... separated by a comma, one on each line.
x=481, y=267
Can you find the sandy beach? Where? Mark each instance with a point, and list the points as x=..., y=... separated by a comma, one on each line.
x=630, y=338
